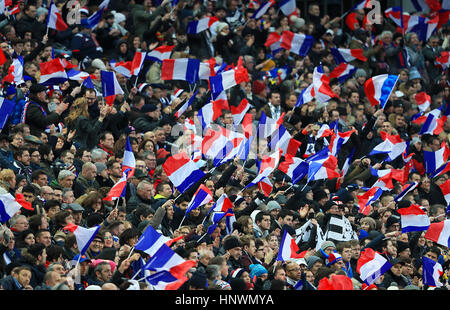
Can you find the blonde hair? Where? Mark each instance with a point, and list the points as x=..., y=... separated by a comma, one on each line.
x=78, y=108
x=7, y=175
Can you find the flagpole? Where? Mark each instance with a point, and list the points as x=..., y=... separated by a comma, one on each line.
x=181, y=223
x=131, y=252
x=202, y=237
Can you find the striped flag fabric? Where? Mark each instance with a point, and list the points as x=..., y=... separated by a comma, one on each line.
x=434, y=160
x=379, y=88
x=185, y=106
x=321, y=84
x=6, y=108
x=263, y=9
x=201, y=197
x=294, y=167
x=83, y=236
x=182, y=171
x=343, y=72
x=8, y=207
x=128, y=162
x=110, y=86
x=392, y=145
x=228, y=79
x=137, y=62
x=287, y=6
x=122, y=67
x=77, y=75
x=426, y=6
x=240, y=111
x=185, y=69
x=54, y=19
x=281, y=139
x=52, y=72
x=432, y=272
x=443, y=60
x=92, y=21
x=346, y=55
x=118, y=189
x=150, y=241
x=306, y=95
x=365, y=200
x=445, y=189
x=406, y=189
x=413, y=218
x=197, y=26
x=339, y=228
x=371, y=265
x=288, y=248
x=296, y=43
x=423, y=101
x=160, y=53
x=439, y=232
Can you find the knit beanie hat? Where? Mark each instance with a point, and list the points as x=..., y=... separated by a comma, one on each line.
x=257, y=270
x=327, y=244
x=272, y=205
x=333, y=258
x=237, y=272
x=312, y=260
x=231, y=243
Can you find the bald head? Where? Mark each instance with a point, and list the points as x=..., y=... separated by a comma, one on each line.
x=109, y=287
x=89, y=171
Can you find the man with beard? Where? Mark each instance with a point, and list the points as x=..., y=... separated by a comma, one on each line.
x=36, y=112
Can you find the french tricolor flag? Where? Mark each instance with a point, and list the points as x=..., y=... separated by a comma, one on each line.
x=432, y=271
x=268, y=125
x=407, y=188
x=434, y=160
x=92, y=21
x=267, y=166
x=160, y=53
x=426, y=6
x=299, y=44
x=339, y=140
x=84, y=236
x=169, y=269
x=77, y=75
x=384, y=178
x=306, y=96
x=4, y=4
x=424, y=27
x=287, y=6
x=281, y=139
x=220, y=208
x=321, y=84
x=150, y=241
x=110, y=86
x=392, y=145
x=54, y=19
x=322, y=167
x=128, y=162
x=200, y=25
x=137, y=62
x=371, y=265
x=52, y=72
x=182, y=171
x=445, y=189
x=423, y=101
x=345, y=55
x=288, y=248
x=118, y=190
x=228, y=79
x=434, y=123
x=343, y=72
x=201, y=197
x=240, y=111
x=367, y=198
x=294, y=167
x=413, y=218
x=379, y=88
x=364, y=4
x=122, y=67
x=273, y=42
x=185, y=69
x=263, y=9
x=212, y=111
x=15, y=71
x=441, y=170
x=8, y=207
x=443, y=60
x=185, y=106
x=439, y=233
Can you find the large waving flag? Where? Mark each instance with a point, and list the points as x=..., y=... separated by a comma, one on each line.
x=365, y=200
x=343, y=72
x=439, y=232
x=118, y=190
x=160, y=53
x=77, y=75
x=54, y=19
x=201, y=197
x=128, y=162
x=267, y=166
x=169, y=269
x=122, y=67
x=406, y=189
x=52, y=72
x=307, y=94
x=212, y=110
x=338, y=140
x=321, y=84
x=84, y=236
x=268, y=125
x=296, y=43
x=281, y=139
x=240, y=111
x=322, y=166
x=15, y=71
x=182, y=171
x=445, y=189
x=424, y=27
x=432, y=271
x=434, y=123
x=6, y=108
x=346, y=55
x=228, y=79
x=262, y=9
x=443, y=60
x=441, y=170
x=392, y=145
x=379, y=88
x=434, y=160
x=110, y=86
x=197, y=26
x=413, y=218
x=288, y=248
x=92, y=21
x=274, y=42
x=185, y=69
x=150, y=241
x=397, y=15
x=371, y=265
x=426, y=6
x=294, y=167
